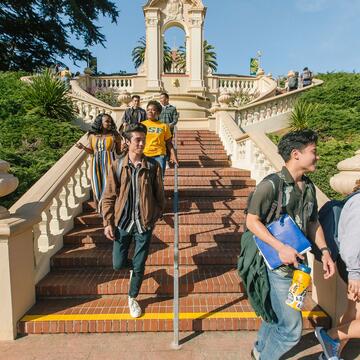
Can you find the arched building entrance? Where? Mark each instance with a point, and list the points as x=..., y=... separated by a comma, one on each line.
x=161, y=15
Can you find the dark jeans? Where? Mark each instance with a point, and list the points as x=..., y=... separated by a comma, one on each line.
x=137, y=264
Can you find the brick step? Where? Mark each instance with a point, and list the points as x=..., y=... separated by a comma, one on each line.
x=200, y=151
x=111, y=314
x=210, y=193
x=162, y=234
x=157, y=280
x=199, y=134
x=202, y=157
x=192, y=217
x=189, y=148
x=212, y=182
x=192, y=204
x=205, y=143
x=204, y=163
x=160, y=254
x=206, y=172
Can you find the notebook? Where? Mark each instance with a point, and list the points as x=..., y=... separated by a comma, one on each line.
x=286, y=230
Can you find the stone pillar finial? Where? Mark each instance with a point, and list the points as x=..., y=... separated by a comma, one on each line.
x=260, y=72
x=124, y=98
x=8, y=184
x=225, y=98
x=344, y=182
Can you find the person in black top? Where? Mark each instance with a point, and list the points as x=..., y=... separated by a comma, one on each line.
x=134, y=114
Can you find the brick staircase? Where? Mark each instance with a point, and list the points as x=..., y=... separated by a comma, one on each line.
x=82, y=293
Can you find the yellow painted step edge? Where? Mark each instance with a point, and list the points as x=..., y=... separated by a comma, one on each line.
x=156, y=316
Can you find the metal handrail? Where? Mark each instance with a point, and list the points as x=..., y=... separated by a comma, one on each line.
x=176, y=251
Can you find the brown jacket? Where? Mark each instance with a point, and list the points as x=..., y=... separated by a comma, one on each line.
x=151, y=188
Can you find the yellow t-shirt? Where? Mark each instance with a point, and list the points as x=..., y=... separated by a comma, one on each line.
x=156, y=137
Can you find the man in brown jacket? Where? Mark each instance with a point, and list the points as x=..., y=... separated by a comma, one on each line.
x=133, y=201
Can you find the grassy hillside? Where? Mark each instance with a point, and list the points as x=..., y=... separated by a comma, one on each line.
x=337, y=121
x=30, y=143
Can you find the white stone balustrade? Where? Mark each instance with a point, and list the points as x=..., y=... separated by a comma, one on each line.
x=235, y=84
x=243, y=150
x=258, y=111
x=112, y=83
x=88, y=107
x=34, y=232
x=263, y=110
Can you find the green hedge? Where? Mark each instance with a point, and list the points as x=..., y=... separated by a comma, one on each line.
x=31, y=144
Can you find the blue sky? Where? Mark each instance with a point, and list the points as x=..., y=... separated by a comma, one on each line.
x=321, y=34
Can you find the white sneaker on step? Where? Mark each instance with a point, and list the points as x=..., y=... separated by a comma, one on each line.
x=134, y=307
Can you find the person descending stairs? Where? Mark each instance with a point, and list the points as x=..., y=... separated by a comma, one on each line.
x=83, y=294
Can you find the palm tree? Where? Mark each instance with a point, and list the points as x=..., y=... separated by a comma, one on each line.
x=167, y=57
x=209, y=56
x=181, y=59
x=138, y=54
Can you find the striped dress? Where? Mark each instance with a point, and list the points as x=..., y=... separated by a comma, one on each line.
x=104, y=154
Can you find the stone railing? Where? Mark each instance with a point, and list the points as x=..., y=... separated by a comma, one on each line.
x=116, y=83
x=34, y=232
x=261, y=86
x=260, y=111
x=233, y=84
x=88, y=106
x=241, y=148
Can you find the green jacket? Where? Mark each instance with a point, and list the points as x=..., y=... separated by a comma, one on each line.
x=169, y=115
x=252, y=270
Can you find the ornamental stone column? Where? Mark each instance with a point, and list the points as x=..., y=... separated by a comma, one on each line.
x=8, y=184
x=345, y=181
x=153, y=49
x=196, y=69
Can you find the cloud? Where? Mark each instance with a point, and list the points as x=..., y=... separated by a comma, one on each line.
x=311, y=6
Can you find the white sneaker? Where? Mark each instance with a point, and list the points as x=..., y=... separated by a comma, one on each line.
x=134, y=307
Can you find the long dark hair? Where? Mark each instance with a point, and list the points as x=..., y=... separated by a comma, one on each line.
x=96, y=126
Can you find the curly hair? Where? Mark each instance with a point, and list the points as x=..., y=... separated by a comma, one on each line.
x=96, y=126
x=156, y=105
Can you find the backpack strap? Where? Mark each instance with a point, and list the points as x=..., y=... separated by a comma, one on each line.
x=276, y=206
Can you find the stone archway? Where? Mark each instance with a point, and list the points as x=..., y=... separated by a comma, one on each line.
x=163, y=14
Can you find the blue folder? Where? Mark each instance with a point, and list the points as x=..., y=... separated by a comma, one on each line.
x=286, y=230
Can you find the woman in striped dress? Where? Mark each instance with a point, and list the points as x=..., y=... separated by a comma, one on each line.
x=104, y=144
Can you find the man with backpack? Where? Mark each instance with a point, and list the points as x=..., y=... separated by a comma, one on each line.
x=298, y=200
x=292, y=81
x=342, y=219
x=306, y=77
x=133, y=201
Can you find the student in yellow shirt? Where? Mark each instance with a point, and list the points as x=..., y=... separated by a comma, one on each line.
x=158, y=137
